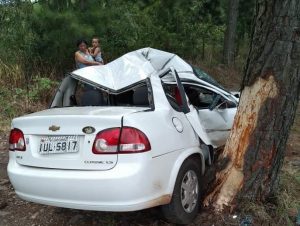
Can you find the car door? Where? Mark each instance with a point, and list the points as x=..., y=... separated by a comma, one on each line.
x=215, y=113
x=210, y=118
x=190, y=112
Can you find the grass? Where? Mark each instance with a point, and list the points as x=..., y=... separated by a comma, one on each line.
x=283, y=208
x=289, y=195
x=22, y=96
x=287, y=204
x=11, y=74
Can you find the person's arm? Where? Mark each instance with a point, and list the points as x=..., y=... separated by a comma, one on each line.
x=81, y=59
x=91, y=50
x=95, y=52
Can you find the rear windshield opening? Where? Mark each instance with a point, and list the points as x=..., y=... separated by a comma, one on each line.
x=74, y=93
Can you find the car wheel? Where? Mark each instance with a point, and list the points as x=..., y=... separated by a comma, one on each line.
x=184, y=205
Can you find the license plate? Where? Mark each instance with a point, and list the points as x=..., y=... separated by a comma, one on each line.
x=59, y=144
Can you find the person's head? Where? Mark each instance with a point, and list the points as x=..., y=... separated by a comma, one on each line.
x=95, y=42
x=82, y=45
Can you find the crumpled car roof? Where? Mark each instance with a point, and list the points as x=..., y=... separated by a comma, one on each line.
x=132, y=68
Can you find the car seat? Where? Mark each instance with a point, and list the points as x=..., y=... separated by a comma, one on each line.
x=92, y=97
x=140, y=96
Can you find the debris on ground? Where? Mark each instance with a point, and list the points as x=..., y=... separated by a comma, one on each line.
x=246, y=221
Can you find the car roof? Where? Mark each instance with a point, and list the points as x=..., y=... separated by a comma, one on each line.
x=136, y=66
x=132, y=68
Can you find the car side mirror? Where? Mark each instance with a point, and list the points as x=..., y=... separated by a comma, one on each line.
x=214, y=102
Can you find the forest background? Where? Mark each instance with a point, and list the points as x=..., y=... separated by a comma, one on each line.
x=38, y=41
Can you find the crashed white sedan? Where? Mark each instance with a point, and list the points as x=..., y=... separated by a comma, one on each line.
x=133, y=134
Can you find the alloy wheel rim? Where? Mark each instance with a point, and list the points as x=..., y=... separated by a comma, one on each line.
x=189, y=191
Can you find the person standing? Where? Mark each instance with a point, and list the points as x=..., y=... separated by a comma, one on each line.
x=82, y=56
x=95, y=50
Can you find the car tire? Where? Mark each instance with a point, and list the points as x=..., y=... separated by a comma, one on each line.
x=185, y=202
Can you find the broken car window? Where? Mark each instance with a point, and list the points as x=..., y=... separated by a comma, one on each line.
x=203, y=98
x=77, y=93
x=200, y=97
x=205, y=77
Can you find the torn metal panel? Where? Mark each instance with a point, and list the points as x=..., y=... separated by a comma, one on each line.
x=124, y=71
x=132, y=68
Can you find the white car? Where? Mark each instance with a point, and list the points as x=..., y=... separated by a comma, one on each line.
x=133, y=134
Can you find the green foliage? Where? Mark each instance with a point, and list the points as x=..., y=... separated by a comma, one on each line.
x=16, y=36
x=37, y=38
x=246, y=16
x=8, y=100
x=41, y=36
x=16, y=101
x=41, y=89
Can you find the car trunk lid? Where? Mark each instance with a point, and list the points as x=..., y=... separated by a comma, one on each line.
x=74, y=128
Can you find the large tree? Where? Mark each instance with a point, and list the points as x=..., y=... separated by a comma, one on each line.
x=254, y=152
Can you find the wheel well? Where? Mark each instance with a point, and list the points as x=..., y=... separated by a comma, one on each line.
x=199, y=158
x=212, y=153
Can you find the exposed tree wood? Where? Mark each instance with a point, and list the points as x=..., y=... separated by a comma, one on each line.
x=254, y=152
x=230, y=34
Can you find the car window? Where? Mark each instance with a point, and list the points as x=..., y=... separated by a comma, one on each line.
x=201, y=97
x=227, y=104
x=204, y=76
x=137, y=96
x=82, y=94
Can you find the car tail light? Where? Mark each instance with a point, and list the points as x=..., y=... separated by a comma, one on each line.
x=16, y=140
x=133, y=140
x=106, y=141
x=117, y=140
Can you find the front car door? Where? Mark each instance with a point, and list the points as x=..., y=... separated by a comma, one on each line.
x=181, y=99
x=209, y=113
x=215, y=113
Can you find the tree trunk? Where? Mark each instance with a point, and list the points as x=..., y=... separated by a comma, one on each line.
x=203, y=48
x=254, y=152
x=230, y=34
x=82, y=5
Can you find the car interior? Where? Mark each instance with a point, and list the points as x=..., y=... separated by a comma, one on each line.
x=199, y=97
x=203, y=98
x=73, y=92
x=77, y=93
x=137, y=96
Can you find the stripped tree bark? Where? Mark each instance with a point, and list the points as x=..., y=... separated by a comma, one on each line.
x=254, y=152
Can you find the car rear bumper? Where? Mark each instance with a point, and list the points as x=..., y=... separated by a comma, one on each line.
x=126, y=187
